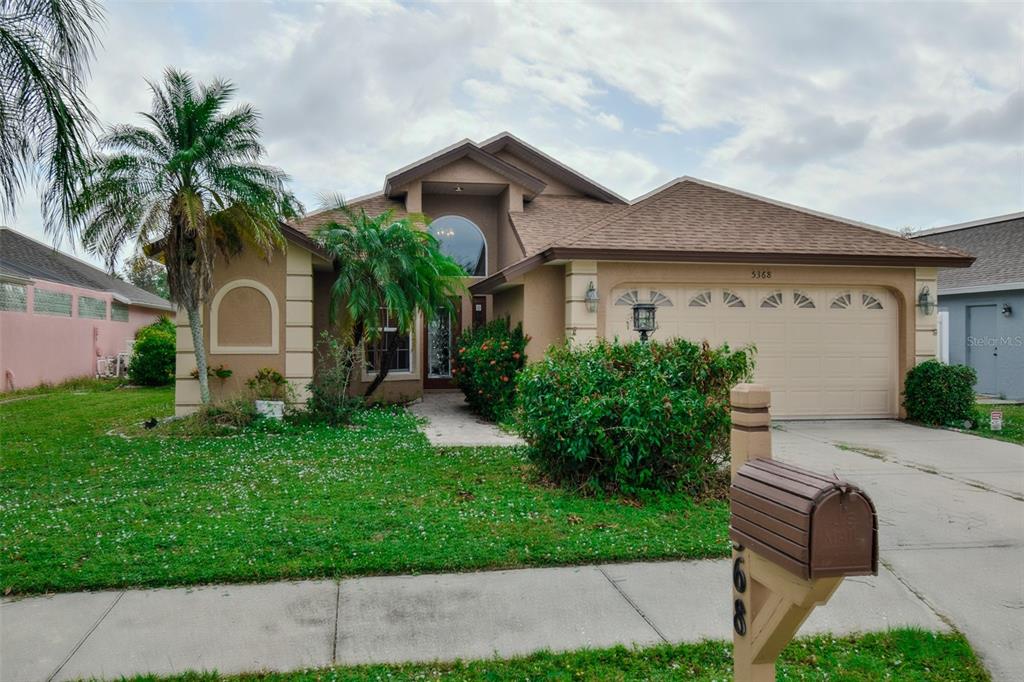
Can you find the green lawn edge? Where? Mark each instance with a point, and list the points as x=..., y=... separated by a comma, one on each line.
x=93, y=501
x=904, y=654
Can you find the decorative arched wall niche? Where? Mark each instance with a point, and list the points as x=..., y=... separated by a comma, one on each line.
x=244, y=319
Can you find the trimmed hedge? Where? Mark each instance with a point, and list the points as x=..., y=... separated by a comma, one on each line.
x=939, y=394
x=152, y=362
x=486, y=364
x=631, y=417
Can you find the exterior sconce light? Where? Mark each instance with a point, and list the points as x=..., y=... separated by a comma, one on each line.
x=1007, y=310
x=643, y=319
x=925, y=302
x=591, y=298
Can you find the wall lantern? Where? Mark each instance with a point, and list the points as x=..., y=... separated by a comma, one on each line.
x=643, y=319
x=925, y=302
x=1007, y=310
x=591, y=298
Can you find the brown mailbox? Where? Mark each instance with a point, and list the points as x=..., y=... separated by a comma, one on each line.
x=809, y=524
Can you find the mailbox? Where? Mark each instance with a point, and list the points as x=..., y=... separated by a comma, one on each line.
x=809, y=524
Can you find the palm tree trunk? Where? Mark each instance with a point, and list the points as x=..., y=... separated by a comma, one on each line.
x=196, y=325
x=386, y=361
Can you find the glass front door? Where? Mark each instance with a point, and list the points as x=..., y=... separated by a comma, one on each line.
x=439, y=345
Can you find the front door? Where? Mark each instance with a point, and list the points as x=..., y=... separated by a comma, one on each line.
x=439, y=337
x=982, y=351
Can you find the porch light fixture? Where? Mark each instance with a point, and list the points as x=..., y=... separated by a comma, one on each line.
x=591, y=298
x=643, y=319
x=1007, y=310
x=925, y=302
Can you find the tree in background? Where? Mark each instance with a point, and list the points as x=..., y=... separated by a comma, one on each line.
x=187, y=186
x=146, y=274
x=45, y=122
x=385, y=266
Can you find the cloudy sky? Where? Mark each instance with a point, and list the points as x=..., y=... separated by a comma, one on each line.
x=894, y=114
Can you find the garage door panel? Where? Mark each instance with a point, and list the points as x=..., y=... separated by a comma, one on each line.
x=820, y=361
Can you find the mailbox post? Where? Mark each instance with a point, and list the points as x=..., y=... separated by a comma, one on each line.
x=795, y=535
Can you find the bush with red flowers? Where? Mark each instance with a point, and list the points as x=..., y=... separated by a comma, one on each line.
x=487, y=360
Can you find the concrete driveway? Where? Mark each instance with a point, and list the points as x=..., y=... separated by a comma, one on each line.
x=951, y=519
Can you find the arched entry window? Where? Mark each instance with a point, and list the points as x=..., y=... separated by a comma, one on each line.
x=462, y=240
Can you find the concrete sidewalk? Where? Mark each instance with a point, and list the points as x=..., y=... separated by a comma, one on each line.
x=287, y=626
x=450, y=423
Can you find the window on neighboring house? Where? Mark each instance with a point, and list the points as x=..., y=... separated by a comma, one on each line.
x=118, y=311
x=48, y=302
x=93, y=308
x=13, y=297
x=376, y=351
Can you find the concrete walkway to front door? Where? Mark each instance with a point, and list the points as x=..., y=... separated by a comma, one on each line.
x=450, y=423
x=289, y=626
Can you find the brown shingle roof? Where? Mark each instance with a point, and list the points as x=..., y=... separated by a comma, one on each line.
x=374, y=205
x=695, y=216
x=549, y=218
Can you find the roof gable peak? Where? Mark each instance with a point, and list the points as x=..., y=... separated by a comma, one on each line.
x=466, y=148
x=544, y=162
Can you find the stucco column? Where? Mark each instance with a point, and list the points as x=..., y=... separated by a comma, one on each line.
x=926, y=341
x=580, y=323
x=298, y=320
x=186, y=386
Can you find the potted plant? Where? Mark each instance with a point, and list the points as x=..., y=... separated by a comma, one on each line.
x=270, y=390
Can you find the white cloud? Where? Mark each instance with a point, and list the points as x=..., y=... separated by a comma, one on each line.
x=894, y=114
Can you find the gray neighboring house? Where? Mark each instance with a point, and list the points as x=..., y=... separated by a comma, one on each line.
x=983, y=305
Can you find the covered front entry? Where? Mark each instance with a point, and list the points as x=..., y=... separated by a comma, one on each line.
x=825, y=351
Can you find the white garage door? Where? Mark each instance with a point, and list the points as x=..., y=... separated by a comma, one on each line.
x=825, y=352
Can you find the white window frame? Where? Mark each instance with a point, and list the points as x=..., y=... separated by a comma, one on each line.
x=394, y=374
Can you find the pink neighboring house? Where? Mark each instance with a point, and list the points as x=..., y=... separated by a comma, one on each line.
x=59, y=315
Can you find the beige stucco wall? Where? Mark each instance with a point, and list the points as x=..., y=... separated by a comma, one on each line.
x=508, y=305
x=244, y=266
x=543, y=308
x=926, y=326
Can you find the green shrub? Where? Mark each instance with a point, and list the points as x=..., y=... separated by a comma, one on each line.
x=940, y=394
x=152, y=361
x=486, y=365
x=329, y=400
x=163, y=323
x=269, y=384
x=631, y=417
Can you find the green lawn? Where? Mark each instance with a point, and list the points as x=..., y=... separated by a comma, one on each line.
x=1013, y=423
x=905, y=655
x=86, y=507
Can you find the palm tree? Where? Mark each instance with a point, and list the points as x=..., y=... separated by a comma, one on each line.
x=45, y=122
x=188, y=185
x=385, y=265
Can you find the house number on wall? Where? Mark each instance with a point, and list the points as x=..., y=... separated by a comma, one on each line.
x=760, y=274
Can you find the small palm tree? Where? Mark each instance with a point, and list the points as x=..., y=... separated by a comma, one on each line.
x=385, y=265
x=45, y=122
x=188, y=185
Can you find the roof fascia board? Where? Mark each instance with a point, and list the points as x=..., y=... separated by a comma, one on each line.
x=971, y=223
x=538, y=158
x=646, y=256
x=981, y=288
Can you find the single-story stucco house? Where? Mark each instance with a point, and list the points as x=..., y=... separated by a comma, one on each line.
x=982, y=307
x=831, y=304
x=59, y=315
